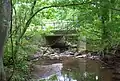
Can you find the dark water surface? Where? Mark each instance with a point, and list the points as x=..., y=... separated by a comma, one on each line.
x=70, y=69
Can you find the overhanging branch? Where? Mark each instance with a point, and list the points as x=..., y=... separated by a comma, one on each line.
x=67, y=5
x=27, y=23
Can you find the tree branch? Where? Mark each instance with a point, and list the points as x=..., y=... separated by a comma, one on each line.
x=66, y=5
x=33, y=6
x=29, y=20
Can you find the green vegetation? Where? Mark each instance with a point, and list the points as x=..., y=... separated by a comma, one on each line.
x=97, y=20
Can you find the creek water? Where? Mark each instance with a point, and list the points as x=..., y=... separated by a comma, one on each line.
x=70, y=69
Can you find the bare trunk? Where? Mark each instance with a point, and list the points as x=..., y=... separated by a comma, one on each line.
x=2, y=73
x=5, y=17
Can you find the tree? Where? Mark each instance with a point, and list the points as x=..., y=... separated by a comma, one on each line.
x=5, y=10
x=95, y=19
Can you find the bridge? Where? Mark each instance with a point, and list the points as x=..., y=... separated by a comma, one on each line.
x=61, y=31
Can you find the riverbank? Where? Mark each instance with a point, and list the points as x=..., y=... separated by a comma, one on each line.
x=48, y=56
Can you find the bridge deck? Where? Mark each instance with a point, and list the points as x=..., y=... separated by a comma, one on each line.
x=54, y=35
x=64, y=31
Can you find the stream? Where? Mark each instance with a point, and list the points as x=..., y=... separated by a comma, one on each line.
x=69, y=69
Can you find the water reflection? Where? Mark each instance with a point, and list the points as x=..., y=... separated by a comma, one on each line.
x=72, y=69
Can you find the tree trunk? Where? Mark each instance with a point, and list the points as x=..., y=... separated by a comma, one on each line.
x=2, y=73
x=5, y=17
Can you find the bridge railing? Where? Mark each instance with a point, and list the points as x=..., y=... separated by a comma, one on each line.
x=63, y=25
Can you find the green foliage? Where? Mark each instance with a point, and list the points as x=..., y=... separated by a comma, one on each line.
x=98, y=21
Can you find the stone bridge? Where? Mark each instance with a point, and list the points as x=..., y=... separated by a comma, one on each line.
x=60, y=33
